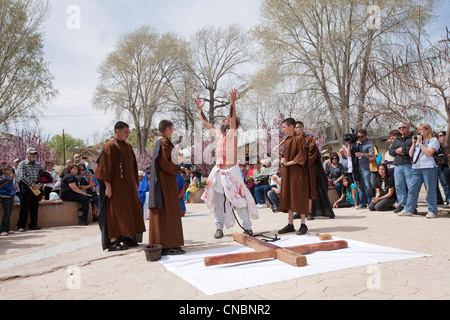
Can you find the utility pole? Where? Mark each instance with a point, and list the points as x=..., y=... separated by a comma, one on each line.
x=64, y=147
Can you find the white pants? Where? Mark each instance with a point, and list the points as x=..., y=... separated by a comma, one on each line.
x=222, y=205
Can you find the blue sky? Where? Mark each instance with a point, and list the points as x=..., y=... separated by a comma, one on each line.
x=75, y=54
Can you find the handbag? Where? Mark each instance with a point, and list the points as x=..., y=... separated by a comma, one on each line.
x=262, y=182
x=440, y=157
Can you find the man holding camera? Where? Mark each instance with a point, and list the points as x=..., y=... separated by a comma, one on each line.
x=364, y=151
x=403, y=167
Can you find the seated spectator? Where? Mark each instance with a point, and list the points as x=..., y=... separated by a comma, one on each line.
x=187, y=177
x=349, y=197
x=198, y=175
x=70, y=191
x=93, y=192
x=49, y=187
x=385, y=192
x=261, y=178
x=249, y=178
x=84, y=184
x=193, y=186
x=343, y=159
x=65, y=170
x=7, y=193
x=274, y=192
x=87, y=163
x=144, y=187
x=77, y=159
x=336, y=173
x=326, y=162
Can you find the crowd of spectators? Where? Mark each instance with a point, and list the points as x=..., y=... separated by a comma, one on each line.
x=27, y=183
x=360, y=176
x=364, y=181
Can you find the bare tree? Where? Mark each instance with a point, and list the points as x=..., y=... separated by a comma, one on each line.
x=136, y=77
x=416, y=83
x=220, y=56
x=180, y=101
x=330, y=45
x=25, y=81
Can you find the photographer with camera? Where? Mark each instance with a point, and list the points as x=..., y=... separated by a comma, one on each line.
x=399, y=149
x=364, y=151
x=424, y=170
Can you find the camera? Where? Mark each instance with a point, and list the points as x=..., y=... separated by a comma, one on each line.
x=417, y=136
x=351, y=137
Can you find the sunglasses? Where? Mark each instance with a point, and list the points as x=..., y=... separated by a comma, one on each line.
x=360, y=137
x=401, y=128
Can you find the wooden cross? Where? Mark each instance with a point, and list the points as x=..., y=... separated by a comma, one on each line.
x=293, y=256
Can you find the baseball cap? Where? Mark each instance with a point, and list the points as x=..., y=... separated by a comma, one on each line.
x=31, y=151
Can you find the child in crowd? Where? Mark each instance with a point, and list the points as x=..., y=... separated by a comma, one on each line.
x=192, y=186
x=349, y=197
x=385, y=192
x=7, y=193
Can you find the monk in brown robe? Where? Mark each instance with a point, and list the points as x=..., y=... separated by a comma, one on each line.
x=295, y=183
x=120, y=218
x=320, y=204
x=165, y=227
x=312, y=154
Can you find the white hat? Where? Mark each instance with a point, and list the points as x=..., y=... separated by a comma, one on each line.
x=31, y=151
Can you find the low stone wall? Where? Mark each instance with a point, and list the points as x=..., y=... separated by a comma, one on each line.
x=196, y=197
x=55, y=213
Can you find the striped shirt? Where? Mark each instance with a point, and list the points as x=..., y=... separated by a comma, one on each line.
x=28, y=172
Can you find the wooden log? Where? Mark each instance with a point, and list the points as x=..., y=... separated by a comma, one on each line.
x=253, y=242
x=291, y=255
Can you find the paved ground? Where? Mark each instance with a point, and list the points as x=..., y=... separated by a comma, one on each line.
x=44, y=264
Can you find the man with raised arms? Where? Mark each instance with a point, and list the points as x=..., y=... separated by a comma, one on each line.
x=225, y=188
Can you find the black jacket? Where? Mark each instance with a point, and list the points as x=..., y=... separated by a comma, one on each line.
x=405, y=144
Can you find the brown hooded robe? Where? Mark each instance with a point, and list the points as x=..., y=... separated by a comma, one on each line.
x=295, y=182
x=165, y=226
x=123, y=211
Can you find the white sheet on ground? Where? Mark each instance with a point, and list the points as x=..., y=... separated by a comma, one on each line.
x=226, y=278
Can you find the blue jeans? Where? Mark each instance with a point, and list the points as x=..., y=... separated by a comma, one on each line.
x=84, y=200
x=274, y=198
x=365, y=188
x=259, y=194
x=429, y=177
x=338, y=187
x=8, y=206
x=444, y=173
x=403, y=180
